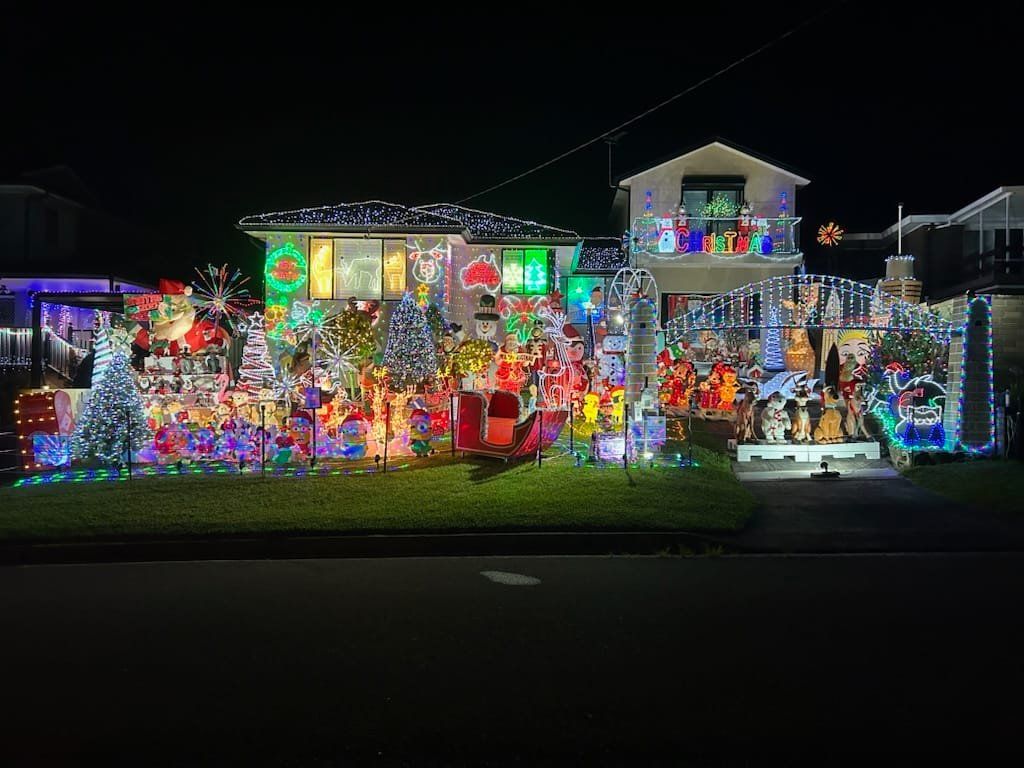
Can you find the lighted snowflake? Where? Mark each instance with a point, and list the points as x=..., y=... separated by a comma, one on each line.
x=308, y=319
x=216, y=293
x=336, y=362
x=288, y=385
x=830, y=234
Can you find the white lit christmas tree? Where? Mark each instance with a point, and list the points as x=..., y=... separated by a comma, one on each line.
x=409, y=356
x=255, y=369
x=102, y=431
x=102, y=354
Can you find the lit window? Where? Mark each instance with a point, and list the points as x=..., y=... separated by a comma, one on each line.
x=526, y=271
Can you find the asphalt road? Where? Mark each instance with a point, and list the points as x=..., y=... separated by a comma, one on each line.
x=311, y=661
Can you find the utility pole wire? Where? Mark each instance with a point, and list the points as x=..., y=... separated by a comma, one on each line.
x=656, y=107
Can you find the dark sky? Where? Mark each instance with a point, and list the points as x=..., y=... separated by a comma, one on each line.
x=183, y=123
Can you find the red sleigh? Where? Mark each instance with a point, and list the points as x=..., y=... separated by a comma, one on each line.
x=492, y=428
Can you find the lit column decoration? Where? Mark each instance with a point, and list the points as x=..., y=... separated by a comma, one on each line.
x=977, y=354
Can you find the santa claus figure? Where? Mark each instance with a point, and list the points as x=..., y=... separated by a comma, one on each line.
x=576, y=351
x=746, y=226
x=510, y=375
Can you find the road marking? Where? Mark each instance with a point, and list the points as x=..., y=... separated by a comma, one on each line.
x=510, y=579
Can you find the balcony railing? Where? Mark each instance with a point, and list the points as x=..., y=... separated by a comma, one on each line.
x=15, y=347
x=723, y=237
x=62, y=356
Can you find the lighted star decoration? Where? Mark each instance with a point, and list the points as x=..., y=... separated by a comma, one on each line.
x=216, y=293
x=520, y=314
x=830, y=234
x=423, y=295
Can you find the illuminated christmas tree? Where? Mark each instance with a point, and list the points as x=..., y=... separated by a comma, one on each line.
x=101, y=354
x=409, y=356
x=255, y=368
x=103, y=430
x=352, y=330
x=772, y=348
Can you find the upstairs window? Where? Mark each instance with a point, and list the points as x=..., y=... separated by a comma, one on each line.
x=698, y=191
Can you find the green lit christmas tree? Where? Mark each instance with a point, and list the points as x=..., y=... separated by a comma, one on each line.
x=409, y=356
x=102, y=431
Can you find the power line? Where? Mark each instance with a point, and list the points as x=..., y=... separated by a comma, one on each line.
x=656, y=107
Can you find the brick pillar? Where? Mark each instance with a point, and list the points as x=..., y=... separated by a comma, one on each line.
x=954, y=368
x=976, y=417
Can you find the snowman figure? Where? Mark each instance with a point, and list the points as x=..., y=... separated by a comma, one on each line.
x=487, y=320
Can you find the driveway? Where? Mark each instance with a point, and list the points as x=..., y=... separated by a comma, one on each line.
x=869, y=515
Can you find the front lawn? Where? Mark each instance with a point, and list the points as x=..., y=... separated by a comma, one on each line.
x=993, y=485
x=437, y=494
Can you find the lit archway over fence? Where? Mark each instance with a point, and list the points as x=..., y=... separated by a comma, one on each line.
x=808, y=301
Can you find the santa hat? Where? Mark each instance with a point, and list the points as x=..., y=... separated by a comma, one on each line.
x=486, y=309
x=572, y=334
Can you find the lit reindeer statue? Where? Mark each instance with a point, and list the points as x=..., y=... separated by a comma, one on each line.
x=556, y=378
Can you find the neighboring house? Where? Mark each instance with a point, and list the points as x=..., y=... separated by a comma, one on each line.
x=978, y=248
x=713, y=218
x=55, y=242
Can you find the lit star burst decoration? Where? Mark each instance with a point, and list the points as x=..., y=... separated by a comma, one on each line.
x=287, y=385
x=337, y=362
x=830, y=234
x=216, y=292
x=308, y=320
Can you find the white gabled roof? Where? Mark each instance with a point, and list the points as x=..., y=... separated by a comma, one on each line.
x=800, y=180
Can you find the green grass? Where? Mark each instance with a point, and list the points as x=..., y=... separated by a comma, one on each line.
x=439, y=494
x=990, y=484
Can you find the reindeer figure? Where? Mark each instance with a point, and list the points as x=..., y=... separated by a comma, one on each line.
x=556, y=378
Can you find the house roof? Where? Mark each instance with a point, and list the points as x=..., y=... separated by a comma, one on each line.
x=600, y=255
x=378, y=216
x=717, y=141
x=484, y=226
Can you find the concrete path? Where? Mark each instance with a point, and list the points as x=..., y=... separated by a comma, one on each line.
x=865, y=515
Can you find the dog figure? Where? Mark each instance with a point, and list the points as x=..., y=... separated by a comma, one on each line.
x=744, y=427
x=802, y=417
x=855, y=407
x=830, y=425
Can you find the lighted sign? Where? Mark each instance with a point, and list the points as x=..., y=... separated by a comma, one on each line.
x=672, y=236
x=394, y=269
x=286, y=269
x=321, y=268
x=524, y=271
x=142, y=307
x=357, y=270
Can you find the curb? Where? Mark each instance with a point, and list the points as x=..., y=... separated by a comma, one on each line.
x=358, y=546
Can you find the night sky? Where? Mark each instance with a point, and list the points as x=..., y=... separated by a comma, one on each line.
x=182, y=124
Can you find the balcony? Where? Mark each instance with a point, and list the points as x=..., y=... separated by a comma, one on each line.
x=735, y=237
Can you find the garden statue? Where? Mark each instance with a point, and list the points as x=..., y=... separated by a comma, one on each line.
x=775, y=418
x=848, y=378
x=829, y=429
x=802, y=417
x=744, y=428
x=855, y=407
